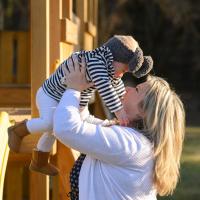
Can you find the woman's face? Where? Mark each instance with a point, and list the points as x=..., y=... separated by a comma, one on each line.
x=132, y=101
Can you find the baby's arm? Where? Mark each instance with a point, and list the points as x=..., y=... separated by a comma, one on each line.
x=86, y=96
x=119, y=87
x=122, y=117
x=87, y=117
x=102, y=82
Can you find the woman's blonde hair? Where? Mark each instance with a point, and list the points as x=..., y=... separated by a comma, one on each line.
x=165, y=124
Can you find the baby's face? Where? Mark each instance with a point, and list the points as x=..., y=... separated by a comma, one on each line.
x=120, y=69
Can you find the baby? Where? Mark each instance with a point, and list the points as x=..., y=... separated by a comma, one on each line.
x=104, y=68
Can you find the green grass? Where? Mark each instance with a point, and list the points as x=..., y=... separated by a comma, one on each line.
x=189, y=184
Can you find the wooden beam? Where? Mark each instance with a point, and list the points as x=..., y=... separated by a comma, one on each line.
x=91, y=28
x=65, y=161
x=82, y=15
x=15, y=159
x=88, y=42
x=55, y=32
x=91, y=11
x=67, y=9
x=6, y=57
x=69, y=31
x=39, y=184
x=23, y=55
x=14, y=175
x=96, y=22
x=15, y=96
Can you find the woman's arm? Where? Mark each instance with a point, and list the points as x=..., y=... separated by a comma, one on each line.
x=87, y=117
x=109, y=144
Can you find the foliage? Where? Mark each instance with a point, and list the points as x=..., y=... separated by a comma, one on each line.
x=169, y=30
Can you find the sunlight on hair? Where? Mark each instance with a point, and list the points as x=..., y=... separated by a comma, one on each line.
x=165, y=124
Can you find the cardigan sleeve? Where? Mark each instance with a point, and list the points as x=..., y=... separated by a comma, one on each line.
x=112, y=144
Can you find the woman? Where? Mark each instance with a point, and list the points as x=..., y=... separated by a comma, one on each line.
x=125, y=162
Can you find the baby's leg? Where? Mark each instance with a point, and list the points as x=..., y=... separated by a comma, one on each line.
x=41, y=156
x=46, y=106
x=45, y=142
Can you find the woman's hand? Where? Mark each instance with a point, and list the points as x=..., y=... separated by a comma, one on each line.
x=75, y=77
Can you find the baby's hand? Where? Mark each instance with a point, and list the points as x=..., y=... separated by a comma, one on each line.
x=111, y=122
x=122, y=117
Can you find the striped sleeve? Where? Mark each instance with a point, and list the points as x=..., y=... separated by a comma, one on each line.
x=86, y=95
x=99, y=75
x=119, y=87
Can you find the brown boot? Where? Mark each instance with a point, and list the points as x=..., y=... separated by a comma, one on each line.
x=15, y=135
x=40, y=163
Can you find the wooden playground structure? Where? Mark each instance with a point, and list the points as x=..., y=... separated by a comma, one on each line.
x=57, y=28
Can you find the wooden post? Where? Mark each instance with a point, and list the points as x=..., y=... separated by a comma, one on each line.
x=55, y=12
x=96, y=22
x=82, y=14
x=66, y=9
x=14, y=183
x=65, y=161
x=39, y=184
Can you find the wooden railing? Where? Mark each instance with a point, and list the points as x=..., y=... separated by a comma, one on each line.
x=14, y=69
x=14, y=57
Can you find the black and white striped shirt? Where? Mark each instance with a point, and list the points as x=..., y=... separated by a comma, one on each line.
x=100, y=71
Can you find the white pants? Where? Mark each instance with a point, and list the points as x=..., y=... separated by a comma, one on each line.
x=46, y=106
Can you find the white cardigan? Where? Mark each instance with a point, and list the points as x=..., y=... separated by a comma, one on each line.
x=119, y=162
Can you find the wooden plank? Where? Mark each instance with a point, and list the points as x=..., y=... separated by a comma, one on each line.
x=14, y=52
x=91, y=28
x=55, y=187
x=21, y=159
x=82, y=15
x=82, y=10
x=6, y=57
x=88, y=41
x=39, y=186
x=14, y=175
x=67, y=9
x=65, y=161
x=55, y=10
x=96, y=22
x=39, y=72
x=65, y=51
x=69, y=31
x=23, y=57
x=90, y=11
x=15, y=96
